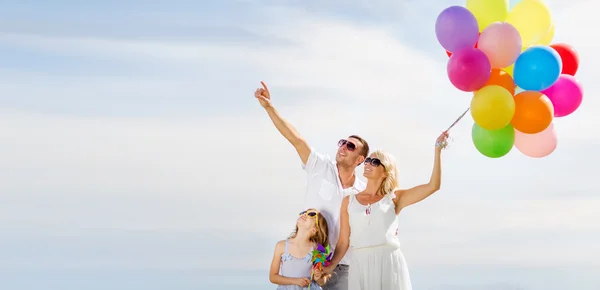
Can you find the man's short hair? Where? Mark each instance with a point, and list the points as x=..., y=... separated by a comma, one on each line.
x=365, y=146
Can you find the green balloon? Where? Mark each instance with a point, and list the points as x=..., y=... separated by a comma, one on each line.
x=493, y=143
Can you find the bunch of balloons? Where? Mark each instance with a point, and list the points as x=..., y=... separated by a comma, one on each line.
x=520, y=81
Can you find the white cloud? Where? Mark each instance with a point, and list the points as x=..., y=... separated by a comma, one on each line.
x=367, y=63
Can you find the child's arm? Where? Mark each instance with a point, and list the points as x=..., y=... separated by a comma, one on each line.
x=274, y=276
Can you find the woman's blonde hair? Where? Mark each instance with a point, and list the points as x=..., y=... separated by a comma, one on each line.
x=321, y=236
x=390, y=182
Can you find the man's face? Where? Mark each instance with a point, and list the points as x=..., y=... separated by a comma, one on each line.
x=348, y=153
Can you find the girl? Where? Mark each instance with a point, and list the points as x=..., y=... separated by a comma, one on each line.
x=292, y=266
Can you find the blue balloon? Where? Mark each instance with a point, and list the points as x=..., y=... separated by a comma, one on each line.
x=537, y=68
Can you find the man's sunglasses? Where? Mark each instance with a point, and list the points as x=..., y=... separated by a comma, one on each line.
x=349, y=145
x=373, y=161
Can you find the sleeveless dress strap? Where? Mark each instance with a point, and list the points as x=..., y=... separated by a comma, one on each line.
x=286, y=254
x=391, y=196
x=287, y=245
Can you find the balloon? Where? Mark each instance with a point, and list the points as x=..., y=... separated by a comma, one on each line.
x=493, y=143
x=468, y=69
x=537, y=68
x=533, y=112
x=510, y=70
x=566, y=95
x=537, y=145
x=569, y=57
x=547, y=39
x=492, y=107
x=501, y=43
x=449, y=54
x=532, y=19
x=456, y=28
x=488, y=11
x=499, y=77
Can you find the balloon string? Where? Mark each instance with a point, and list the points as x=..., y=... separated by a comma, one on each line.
x=444, y=144
x=458, y=119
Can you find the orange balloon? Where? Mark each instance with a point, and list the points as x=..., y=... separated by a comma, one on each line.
x=503, y=79
x=533, y=112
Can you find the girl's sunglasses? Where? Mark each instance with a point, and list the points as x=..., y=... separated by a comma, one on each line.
x=373, y=161
x=310, y=213
x=349, y=145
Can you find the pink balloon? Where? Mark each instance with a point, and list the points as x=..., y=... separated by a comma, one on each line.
x=537, y=145
x=501, y=42
x=566, y=95
x=469, y=69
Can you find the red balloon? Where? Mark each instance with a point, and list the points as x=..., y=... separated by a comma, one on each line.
x=569, y=57
x=450, y=54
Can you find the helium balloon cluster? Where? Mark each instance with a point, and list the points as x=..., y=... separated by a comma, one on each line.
x=520, y=80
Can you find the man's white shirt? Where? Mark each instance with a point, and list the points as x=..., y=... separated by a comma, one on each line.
x=324, y=192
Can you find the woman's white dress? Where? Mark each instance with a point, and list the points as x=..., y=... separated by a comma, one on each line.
x=377, y=262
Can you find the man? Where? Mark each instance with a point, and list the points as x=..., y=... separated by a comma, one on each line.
x=328, y=182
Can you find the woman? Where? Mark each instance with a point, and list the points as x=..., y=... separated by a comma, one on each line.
x=369, y=224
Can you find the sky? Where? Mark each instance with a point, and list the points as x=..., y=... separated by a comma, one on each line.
x=133, y=154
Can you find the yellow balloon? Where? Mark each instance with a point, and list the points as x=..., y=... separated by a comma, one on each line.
x=509, y=70
x=488, y=11
x=492, y=107
x=532, y=19
x=547, y=39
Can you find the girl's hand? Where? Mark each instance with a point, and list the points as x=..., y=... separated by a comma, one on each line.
x=318, y=274
x=302, y=282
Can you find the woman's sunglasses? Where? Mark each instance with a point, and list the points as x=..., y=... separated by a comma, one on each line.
x=349, y=145
x=373, y=161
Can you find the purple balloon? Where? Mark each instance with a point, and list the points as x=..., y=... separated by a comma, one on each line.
x=566, y=95
x=456, y=28
x=469, y=69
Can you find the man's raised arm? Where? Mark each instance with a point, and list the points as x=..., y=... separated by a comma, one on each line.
x=284, y=127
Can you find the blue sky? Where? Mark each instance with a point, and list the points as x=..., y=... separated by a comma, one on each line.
x=133, y=154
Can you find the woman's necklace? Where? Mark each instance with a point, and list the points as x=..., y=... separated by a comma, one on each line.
x=368, y=210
